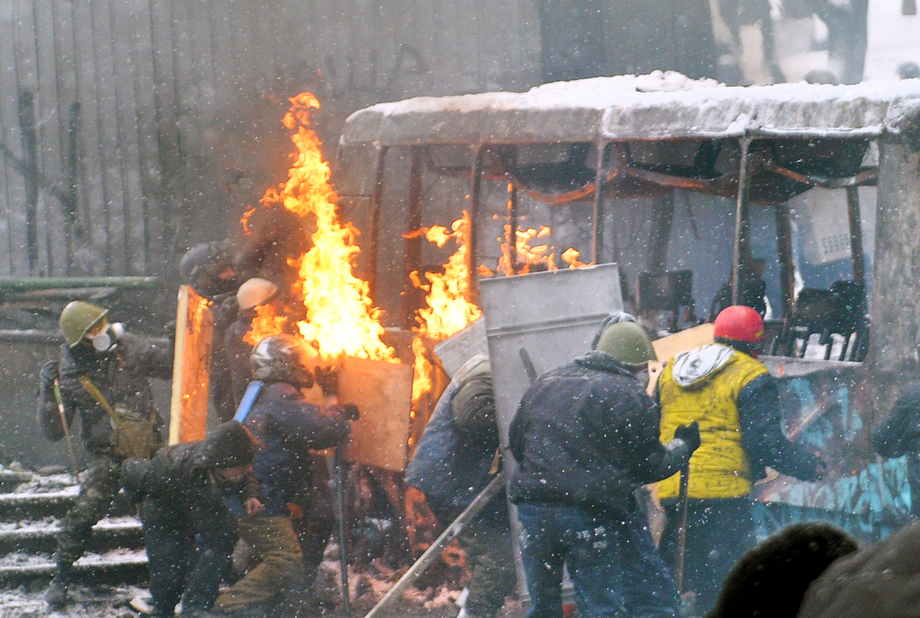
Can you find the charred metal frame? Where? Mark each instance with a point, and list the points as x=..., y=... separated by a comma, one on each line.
x=612, y=160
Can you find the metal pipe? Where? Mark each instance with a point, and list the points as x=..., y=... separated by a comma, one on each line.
x=741, y=215
x=412, y=261
x=435, y=549
x=856, y=244
x=374, y=232
x=784, y=252
x=26, y=284
x=338, y=464
x=512, y=227
x=597, y=220
x=472, y=240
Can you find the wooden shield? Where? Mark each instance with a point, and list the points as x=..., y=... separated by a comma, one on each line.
x=383, y=393
x=668, y=347
x=188, y=412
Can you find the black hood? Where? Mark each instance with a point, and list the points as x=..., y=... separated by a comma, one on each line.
x=228, y=446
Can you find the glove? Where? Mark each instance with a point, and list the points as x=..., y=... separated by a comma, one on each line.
x=351, y=412
x=49, y=373
x=690, y=434
x=328, y=380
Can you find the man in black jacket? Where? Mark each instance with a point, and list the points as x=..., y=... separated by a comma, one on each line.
x=188, y=529
x=101, y=370
x=586, y=438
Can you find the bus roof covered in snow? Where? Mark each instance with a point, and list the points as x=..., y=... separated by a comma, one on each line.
x=627, y=107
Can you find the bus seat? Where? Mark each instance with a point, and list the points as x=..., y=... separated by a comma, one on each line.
x=839, y=310
x=666, y=291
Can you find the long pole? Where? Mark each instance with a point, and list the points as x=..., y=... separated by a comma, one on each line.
x=343, y=536
x=683, y=499
x=449, y=534
x=67, y=435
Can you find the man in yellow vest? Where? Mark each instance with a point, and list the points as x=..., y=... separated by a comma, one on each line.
x=723, y=387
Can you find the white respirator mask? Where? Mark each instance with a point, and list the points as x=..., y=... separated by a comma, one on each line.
x=107, y=340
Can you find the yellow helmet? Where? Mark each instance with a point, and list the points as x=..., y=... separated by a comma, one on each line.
x=78, y=318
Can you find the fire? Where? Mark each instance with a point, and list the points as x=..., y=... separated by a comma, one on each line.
x=265, y=322
x=520, y=256
x=341, y=319
x=448, y=308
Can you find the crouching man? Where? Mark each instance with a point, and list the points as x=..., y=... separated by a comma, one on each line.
x=189, y=531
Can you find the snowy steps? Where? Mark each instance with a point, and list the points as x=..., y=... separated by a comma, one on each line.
x=29, y=521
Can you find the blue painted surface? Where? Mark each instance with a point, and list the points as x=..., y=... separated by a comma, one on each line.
x=825, y=408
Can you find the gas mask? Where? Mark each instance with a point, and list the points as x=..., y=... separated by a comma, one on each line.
x=107, y=340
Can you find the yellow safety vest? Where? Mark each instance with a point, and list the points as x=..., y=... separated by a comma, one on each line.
x=719, y=468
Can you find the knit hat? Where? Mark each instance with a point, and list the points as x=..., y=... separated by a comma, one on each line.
x=228, y=446
x=881, y=580
x=771, y=579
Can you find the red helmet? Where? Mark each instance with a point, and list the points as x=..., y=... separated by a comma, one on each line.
x=739, y=323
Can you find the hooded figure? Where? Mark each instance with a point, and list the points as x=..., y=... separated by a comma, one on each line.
x=189, y=531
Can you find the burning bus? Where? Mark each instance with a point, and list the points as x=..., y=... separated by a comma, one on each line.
x=803, y=197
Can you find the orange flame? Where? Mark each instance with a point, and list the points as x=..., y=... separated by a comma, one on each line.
x=448, y=307
x=341, y=318
x=265, y=323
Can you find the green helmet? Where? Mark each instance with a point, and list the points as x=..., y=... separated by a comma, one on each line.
x=77, y=318
x=628, y=343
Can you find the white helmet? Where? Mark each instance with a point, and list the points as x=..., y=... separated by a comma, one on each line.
x=284, y=358
x=255, y=292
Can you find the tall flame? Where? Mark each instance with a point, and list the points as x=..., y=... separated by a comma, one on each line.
x=341, y=319
x=448, y=308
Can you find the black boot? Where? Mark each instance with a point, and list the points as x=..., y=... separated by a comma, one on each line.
x=56, y=594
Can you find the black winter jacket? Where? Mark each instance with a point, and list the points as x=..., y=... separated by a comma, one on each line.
x=586, y=433
x=120, y=375
x=183, y=473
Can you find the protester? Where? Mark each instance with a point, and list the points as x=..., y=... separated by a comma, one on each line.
x=208, y=269
x=101, y=376
x=770, y=580
x=879, y=580
x=287, y=428
x=250, y=297
x=585, y=437
x=454, y=461
x=189, y=531
x=735, y=400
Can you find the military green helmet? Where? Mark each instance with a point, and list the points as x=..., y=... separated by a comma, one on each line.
x=628, y=343
x=78, y=317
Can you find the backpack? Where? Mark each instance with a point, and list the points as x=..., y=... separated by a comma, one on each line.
x=133, y=434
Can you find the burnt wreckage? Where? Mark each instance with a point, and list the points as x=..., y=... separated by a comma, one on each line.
x=685, y=184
